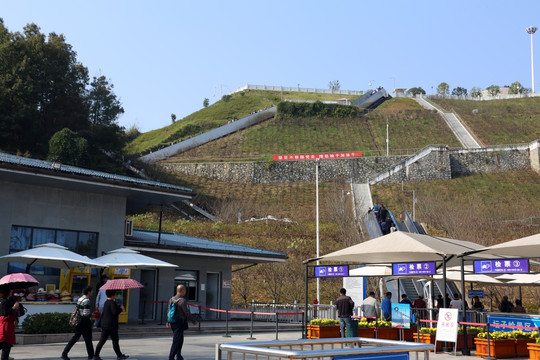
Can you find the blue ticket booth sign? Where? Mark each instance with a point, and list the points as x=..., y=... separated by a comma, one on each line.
x=332, y=271
x=501, y=266
x=417, y=268
x=528, y=321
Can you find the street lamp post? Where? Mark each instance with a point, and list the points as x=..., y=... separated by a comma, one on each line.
x=317, y=223
x=531, y=30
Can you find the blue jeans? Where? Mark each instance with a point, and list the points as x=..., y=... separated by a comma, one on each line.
x=345, y=322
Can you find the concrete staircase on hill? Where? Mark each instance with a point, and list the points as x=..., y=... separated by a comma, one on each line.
x=211, y=135
x=462, y=133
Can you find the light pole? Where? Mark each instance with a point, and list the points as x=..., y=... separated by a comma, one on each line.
x=317, y=223
x=370, y=83
x=531, y=30
x=393, y=78
x=387, y=140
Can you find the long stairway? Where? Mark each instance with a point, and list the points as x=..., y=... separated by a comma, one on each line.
x=465, y=137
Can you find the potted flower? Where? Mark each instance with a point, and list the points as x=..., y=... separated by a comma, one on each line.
x=426, y=335
x=366, y=328
x=384, y=330
x=501, y=345
x=534, y=348
x=522, y=339
x=323, y=328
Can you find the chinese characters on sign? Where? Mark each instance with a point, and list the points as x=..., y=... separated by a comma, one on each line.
x=340, y=155
x=447, y=325
x=501, y=266
x=531, y=321
x=419, y=268
x=332, y=271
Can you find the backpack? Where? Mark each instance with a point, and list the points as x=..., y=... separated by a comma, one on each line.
x=171, y=312
x=75, y=317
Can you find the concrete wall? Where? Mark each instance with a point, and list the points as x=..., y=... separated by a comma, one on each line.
x=166, y=288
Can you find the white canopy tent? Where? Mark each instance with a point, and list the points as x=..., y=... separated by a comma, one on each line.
x=526, y=247
x=127, y=258
x=51, y=255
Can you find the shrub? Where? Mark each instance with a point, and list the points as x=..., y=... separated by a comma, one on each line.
x=496, y=335
x=427, y=330
x=47, y=323
x=324, y=322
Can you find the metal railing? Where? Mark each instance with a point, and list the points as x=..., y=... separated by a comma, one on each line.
x=318, y=348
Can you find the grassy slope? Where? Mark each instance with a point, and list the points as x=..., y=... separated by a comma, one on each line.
x=499, y=121
x=410, y=127
x=240, y=105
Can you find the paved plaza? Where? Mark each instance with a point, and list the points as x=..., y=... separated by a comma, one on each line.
x=196, y=347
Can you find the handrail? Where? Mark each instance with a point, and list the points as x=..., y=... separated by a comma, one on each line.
x=275, y=349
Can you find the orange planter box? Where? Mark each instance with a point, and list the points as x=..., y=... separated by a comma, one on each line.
x=368, y=332
x=388, y=333
x=500, y=349
x=534, y=351
x=521, y=347
x=320, y=332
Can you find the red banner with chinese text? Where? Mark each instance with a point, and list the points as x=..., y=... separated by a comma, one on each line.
x=330, y=156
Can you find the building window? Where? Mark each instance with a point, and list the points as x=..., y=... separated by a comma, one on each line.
x=190, y=279
x=24, y=238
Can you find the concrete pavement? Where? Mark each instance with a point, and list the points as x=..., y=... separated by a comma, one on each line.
x=196, y=347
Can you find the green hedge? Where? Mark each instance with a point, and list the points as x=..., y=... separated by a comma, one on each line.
x=316, y=109
x=47, y=323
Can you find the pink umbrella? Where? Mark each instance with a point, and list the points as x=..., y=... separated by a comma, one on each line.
x=121, y=284
x=18, y=281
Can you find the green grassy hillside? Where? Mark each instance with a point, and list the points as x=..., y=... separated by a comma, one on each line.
x=237, y=106
x=484, y=208
x=499, y=121
x=410, y=127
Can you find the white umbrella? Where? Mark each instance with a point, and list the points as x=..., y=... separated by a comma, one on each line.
x=480, y=278
x=526, y=247
x=127, y=258
x=50, y=255
x=401, y=246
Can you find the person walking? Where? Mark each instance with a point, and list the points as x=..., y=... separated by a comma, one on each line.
x=345, y=306
x=386, y=307
x=419, y=306
x=109, y=325
x=506, y=305
x=181, y=316
x=370, y=307
x=85, y=326
x=100, y=302
x=7, y=323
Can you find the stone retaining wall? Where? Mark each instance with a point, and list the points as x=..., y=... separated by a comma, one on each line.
x=432, y=163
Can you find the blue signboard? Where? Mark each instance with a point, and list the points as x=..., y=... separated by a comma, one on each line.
x=401, y=315
x=332, y=271
x=417, y=268
x=473, y=293
x=501, y=266
x=531, y=321
x=391, y=356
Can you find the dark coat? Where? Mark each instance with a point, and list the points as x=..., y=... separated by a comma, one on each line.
x=109, y=316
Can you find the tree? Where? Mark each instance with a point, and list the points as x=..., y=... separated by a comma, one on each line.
x=206, y=102
x=132, y=133
x=459, y=91
x=493, y=90
x=334, y=85
x=42, y=89
x=443, y=90
x=67, y=147
x=416, y=91
x=105, y=108
x=173, y=118
x=476, y=92
x=516, y=88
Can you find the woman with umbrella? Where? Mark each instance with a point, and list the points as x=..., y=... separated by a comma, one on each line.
x=7, y=322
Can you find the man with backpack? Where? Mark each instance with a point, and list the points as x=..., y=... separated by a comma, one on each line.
x=84, y=327
x=178, y=315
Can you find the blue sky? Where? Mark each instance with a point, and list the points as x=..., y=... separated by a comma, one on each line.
x=167, y=56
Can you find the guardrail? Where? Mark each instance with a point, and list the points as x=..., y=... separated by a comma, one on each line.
x=319, y=348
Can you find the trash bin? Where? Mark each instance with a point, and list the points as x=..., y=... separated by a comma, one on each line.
x=353, y=332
